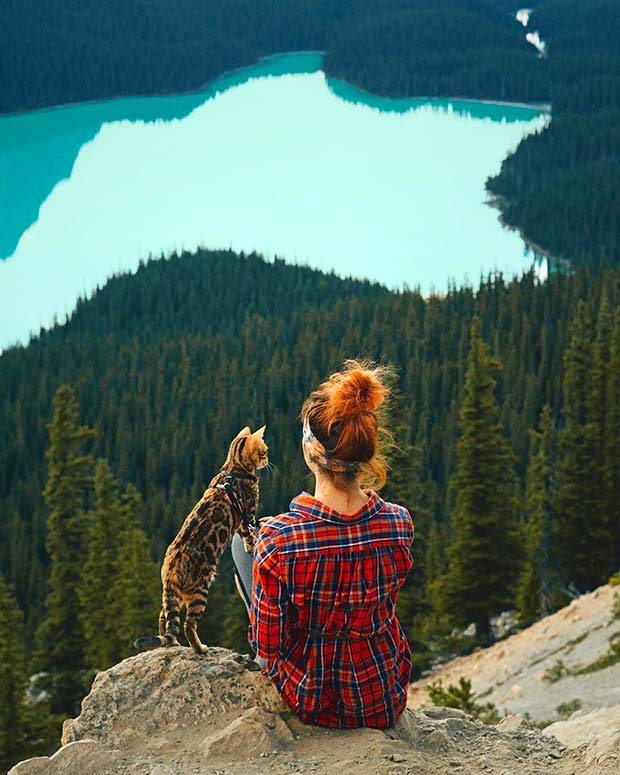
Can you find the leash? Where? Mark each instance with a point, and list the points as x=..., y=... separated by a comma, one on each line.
x=228, y=487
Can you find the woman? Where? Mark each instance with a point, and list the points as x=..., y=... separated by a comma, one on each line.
x=326, y=574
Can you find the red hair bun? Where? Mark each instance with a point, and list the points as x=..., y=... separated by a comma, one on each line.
x=344, y=415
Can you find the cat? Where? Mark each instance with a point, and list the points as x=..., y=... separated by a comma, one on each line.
x=228, y=504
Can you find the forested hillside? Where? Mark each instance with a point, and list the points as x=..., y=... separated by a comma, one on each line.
x=66, y=51
x=168, y=364
x=562, y=186
x=163, y=367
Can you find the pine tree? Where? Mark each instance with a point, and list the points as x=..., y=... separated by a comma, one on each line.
x=582, y=540
x=598, y=432
x=135, y=593
x=120, y=591
x=60, y=638
x=612, y=471
x=404, y=487
x=104, y=542
x=26, y=729
x=484, y=555
x=12, y=680
x=535, y=585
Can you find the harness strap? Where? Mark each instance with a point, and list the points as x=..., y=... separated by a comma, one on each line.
x=234, y=501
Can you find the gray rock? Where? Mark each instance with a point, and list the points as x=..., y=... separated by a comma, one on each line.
x=147, y=693
x=512, y=723
x=254, y=732
x=85, y=756
x=437, y=712
x=437, y=739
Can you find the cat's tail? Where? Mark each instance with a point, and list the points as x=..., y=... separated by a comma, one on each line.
x=148, y=642
x=169, y=624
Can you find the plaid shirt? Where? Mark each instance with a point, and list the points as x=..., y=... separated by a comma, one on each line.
x=322, y=613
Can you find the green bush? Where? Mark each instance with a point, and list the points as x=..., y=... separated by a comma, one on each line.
x=614, y=581
x=566, y=709
x=555, y=672
x=463, y=698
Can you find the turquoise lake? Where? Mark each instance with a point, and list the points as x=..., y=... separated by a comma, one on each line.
x=274, y=158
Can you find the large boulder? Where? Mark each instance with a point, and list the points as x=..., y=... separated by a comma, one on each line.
x=172, y=712
x=153, y=691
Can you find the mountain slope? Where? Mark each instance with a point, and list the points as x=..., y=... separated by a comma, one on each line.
x=555, y=662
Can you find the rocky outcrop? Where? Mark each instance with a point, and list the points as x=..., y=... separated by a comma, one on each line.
x=595, y=733
x=155, y=691
x=171, y=712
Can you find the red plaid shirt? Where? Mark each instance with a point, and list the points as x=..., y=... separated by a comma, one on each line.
x=322, y=614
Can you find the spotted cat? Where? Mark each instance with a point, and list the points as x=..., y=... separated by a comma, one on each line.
x=228, y=505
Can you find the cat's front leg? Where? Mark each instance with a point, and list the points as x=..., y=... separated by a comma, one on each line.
x=247, y=533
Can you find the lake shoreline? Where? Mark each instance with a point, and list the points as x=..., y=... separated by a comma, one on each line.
x=496, y=202
x=236, y=70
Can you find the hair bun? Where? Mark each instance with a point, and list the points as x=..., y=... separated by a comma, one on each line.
x=343, y=415
x=355, y=391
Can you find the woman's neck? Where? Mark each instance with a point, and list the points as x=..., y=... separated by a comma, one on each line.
x=347, y=498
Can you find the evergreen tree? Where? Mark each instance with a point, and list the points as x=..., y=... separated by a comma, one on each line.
x=582, y=537
x=135, y=593
x=105, y=539
x=484, y=555
x=25, y=729
x=120, y=591
x=598, y=430
x=612, y=473
x=12, y=680
x=404, y=487
x=534, y=597
x=60, y=638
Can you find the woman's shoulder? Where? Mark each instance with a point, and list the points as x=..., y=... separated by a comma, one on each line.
x=399, y=512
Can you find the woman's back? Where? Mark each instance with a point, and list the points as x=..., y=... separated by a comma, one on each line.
x=325, y=587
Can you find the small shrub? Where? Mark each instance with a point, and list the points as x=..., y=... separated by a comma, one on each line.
x=615, y=608
x=566, y=709
x=462, y=697
x=614, y=581
x=555, y=672
x=612, y=657
x=575, y=641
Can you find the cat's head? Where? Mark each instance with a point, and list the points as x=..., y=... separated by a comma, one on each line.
x=248, y=450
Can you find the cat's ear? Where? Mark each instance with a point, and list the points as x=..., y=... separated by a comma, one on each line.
x=245, y=432
x=260, y=432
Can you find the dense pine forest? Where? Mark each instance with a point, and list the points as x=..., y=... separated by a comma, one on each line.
x=68, y=51
x=114, y=423
x=562, y=186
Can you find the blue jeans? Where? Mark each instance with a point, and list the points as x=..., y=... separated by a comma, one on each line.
x=243, y=562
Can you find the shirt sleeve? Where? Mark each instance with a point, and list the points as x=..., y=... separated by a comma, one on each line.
x=269, y=600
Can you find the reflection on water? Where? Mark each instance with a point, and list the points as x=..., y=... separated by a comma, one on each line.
x=38, y=149
x=273, y=158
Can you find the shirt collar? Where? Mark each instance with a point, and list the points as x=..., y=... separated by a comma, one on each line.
x=307, y=504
